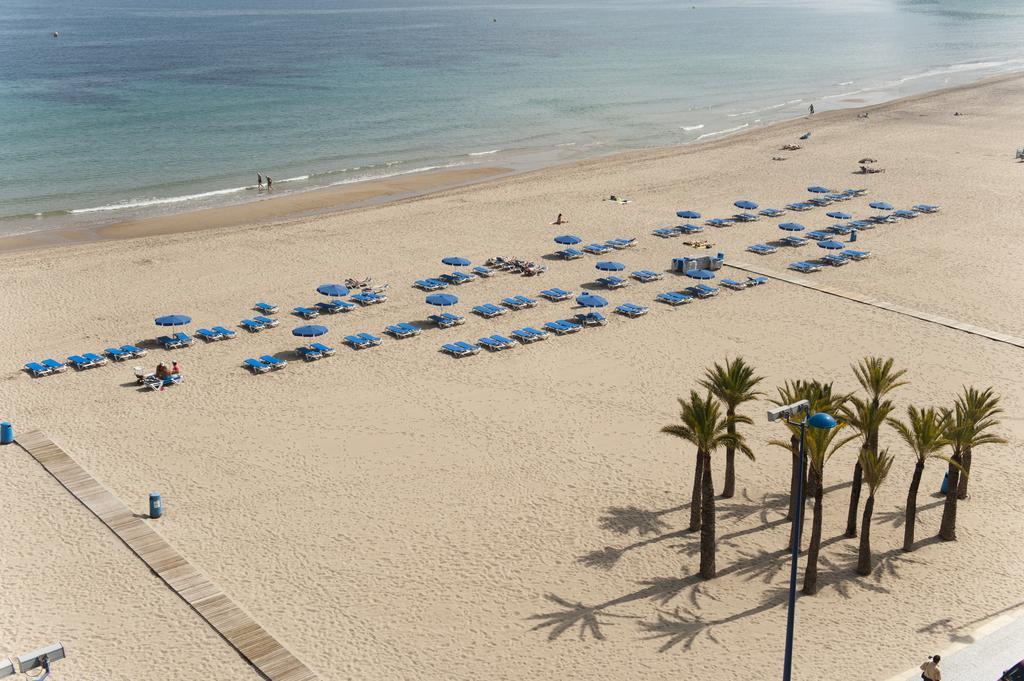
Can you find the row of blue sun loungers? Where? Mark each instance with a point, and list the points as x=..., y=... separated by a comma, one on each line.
x=667, y=232
x=556, y=294
x=175, y=342
x=746, y=283
x=613, y=282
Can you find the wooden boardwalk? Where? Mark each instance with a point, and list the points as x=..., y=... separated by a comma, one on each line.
x=882, y=305
x=236, y=626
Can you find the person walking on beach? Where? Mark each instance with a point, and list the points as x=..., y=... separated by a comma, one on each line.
x=930, y=669
x=270, y=183
x=811, y=109
x=259, y=182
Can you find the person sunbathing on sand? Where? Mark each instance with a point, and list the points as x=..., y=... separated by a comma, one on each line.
x=560, y=220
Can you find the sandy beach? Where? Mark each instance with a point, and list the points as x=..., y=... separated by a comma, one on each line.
x=394, y=513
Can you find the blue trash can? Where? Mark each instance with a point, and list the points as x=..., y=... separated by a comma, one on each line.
x=6, y=433
x=945, y=483
x=156, y=507
x=853, y=236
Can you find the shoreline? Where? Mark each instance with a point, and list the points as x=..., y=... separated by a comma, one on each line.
x=331, y=201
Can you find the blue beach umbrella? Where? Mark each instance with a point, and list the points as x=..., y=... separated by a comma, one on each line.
x=610, y=266
x=590, y=300
x=792, y=227
x=818, y=189
x=567, y=239
x=332, y=290
x=746, y=205
x=688, y=214
x=309, y=331
x=455, y=261
x=442, y=299
x=881, y=205
x=830, y=245
x=700, y=274
x=172, y=320
x=839, y=215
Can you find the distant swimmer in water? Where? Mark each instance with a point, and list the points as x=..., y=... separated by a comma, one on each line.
x=560, y=220
x=259, y=182
x=270, y=183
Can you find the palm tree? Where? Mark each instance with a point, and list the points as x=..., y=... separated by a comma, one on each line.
x=875, y=466
x=878, y=378
x=821, y=444
x=821, y=398
x=733, y=385
x=965, y=430
x=925, y=434
x=984, y=405
x=704, y=426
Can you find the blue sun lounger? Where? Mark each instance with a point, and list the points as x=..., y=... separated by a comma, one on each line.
x=772, y=212
x=170, y=342
x=761, y=249
x=460, y=349
x=841, y=229
x=256, y=366
x=590, y=319
x=362, y=340
x=556, y=294
x=447, y=320
x=273, y=362
x=483, y=271
x=403, y=330
x=569, y=254
x=37, y=370
x=207, y=335
x=673, y=298
x=95, y=359
x=794, y=241
x=55, y=366
x=597, y=249
x=756, y=281
x=305, y=312
x=251, y=325
x=324, y=350
x=906, y=214
x=702, y=291
x=926, y=208
x=690, y=228
x=513, y=303
x=321, y=307
x=734, y=285
x=369, y=298
x=562, y=327
x=82, y=362
x=804, y=266
x=647, y=276
x=308, y=354
x=621, y=243
x=819, y=235
x=745, y=217
x=265, y=308
x=492, y=344
x=489, y=311
x=457, y=278
x=835, y=259
x=718, y=222
x=856, y=255
x=666, y=233
x=529, y=335
x=430, y=284
x=632, y=310
x=613, y=282
x=799, y=207
x=117, y=354
x=820, y=201
x=226, y=334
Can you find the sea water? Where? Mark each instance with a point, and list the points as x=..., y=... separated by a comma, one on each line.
x=142, y=107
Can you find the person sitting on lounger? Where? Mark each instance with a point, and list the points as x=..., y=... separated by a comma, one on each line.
x=161, y=371
x=175, y=369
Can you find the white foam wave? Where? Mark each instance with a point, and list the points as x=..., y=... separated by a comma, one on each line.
x=297, y=178
x=691, y=128
x=144, y=203
x=566, y=144
x=722, y=132
x=846, y=82
x=483, y=153
x=843, y=94
x=365, y=178
x=794, y=101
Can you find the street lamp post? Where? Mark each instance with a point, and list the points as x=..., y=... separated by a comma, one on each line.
x=825, y=422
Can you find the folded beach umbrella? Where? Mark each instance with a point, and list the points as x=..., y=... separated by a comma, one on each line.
x=455, y=261
x=700, y=274
x=332, y=290
x=442, y=299
x=881, y=205
x=590, y=300
x=688, y=214
x=792, y=227
x=567, y=239
x=818, y=189
x=839, y=215
x=746, y=205
x=309, y=331
x=172, y=320
x=610, y=266
x=830, y=245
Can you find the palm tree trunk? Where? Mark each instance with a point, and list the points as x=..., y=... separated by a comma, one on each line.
x=695, y=495
x=707, y=527
x=811, y=573
x=908, y=530
x=794, y=448
x=947, y=531
x=864, y=560
x=961, y=489
x=851, y=516
x=729, y=489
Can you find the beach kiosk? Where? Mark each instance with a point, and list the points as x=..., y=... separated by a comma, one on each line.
x=707, y=262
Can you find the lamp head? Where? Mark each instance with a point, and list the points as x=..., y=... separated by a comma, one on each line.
x=821, y=420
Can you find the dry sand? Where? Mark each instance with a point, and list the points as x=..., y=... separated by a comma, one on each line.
x=396, y=514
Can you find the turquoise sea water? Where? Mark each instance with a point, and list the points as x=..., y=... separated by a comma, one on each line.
x=141, y=107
